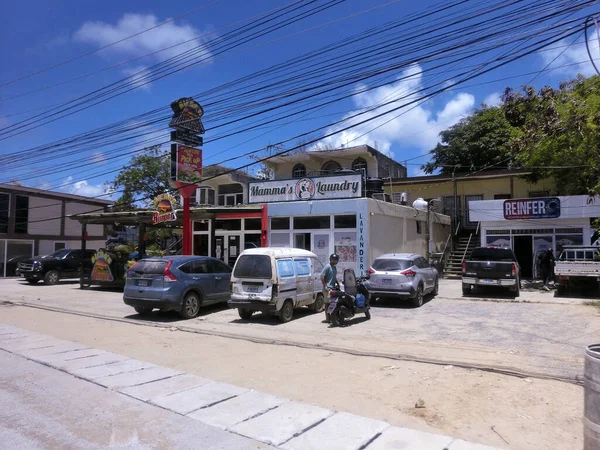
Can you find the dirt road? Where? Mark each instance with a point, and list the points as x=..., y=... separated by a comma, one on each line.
x=493, y=409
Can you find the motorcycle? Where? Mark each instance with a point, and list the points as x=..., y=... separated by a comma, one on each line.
x=354, y=299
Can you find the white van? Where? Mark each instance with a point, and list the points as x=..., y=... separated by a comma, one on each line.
x=275, y=281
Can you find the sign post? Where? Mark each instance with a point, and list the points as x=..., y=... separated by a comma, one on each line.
x=186, y=160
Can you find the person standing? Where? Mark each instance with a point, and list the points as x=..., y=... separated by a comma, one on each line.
x=547, y=267
x=329, y=280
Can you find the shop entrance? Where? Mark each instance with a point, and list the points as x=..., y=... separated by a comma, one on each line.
x=303, y=241
x=523, y=247
x=233, y=249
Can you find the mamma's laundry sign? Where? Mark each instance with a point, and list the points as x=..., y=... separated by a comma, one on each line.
x=318, y=188
x=532, y=208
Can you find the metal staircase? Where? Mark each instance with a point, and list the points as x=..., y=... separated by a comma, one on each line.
x=462, y=252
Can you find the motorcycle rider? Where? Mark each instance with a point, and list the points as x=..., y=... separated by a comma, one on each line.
x=329, y=280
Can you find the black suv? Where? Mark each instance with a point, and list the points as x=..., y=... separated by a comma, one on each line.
x=65, y=263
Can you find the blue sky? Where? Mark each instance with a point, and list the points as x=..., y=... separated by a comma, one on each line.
x=37, y=34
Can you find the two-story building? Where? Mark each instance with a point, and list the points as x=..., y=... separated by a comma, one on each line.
x=34, y=221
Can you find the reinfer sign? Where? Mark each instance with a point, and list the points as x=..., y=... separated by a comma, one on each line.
x=318, y=188
x=532, y=208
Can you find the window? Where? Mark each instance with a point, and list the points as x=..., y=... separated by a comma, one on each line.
x=317, y=265
x=228, y=224
x=253, y=266
x=21, y=214
x=419, y=227
x=538, y=194
x=4, y=209
x=186, y=268
x=252, y=224
x=200, y=267
x=280, y=223
x=302, y=267
x=59, y=246
x=330, y=167
x=205, y=196
x=359, y=163
x=219, y=267
x=344, y=221
x=391, y=265
x=299, y=171
x=285, y=267
x=311, y=222
x=231, y=194
x=200, y=225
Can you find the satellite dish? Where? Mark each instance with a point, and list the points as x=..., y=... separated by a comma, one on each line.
x=420, y=204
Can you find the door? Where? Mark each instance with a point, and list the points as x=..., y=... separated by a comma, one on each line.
x=233, y=249
x=204, y=280
x=302, y=240
x=426, y=272
x=304, y=281
x=72, y=263
x=286, y=278
x=523, y=247
x=219, y=248
x=222, y=273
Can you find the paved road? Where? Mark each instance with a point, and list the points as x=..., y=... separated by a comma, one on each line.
x=43, y=408
x=536, y=338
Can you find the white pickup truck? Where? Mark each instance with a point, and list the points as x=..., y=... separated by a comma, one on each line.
x=578, y=266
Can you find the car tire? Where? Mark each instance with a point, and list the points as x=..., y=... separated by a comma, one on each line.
x=560, y=289
x=245, y=314
x=417, y=301
x=319, y=304
x=51, y=277
x=190, y=307
x=287, y=311
x=466, y=289
x=143, y=310
x=515, y=292
x=32, y=280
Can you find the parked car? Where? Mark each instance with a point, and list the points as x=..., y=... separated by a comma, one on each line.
x=578, y=266
x=177, y=283
x=12, y=265
x=402, y=275
x=65, y=263
x=492, y=266
x=275, y=281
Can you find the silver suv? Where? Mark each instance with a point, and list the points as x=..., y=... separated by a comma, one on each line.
x=402, y=275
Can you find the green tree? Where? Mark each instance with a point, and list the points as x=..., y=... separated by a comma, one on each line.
x=558, y=133
x=143, y=178
x=478, y=141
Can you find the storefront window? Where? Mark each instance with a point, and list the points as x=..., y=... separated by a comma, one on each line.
x=498, y=241
x=201, y=225
x=567, y=239
x=228, y=224
x=252, y=240
x=280, y=223
x=345, y=221
x=21, y=214
x=311, y=222
x=252, y=224
x=16, y=251
x=280, y=240
x=4, y=208
x=345, y=247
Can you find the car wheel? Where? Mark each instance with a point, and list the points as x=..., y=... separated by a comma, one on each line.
x=245, y=314
x=51, y=277
x=417, y=302
x=32, y=281
x=191, y=306
x=287, y=311
x=143, y=310
x=560, y=289
x=466, y=289
x=515, y=291
x=319, y=304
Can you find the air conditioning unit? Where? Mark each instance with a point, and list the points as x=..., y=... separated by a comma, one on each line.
x=401, y=198
x=383, y=196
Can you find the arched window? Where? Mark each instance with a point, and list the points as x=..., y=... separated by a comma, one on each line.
x=359, y=163
x=299, y=171
x=330, y=167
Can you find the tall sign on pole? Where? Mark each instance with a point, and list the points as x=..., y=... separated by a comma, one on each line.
x=186, y=159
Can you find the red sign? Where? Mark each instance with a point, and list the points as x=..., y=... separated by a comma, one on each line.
x=189, y=164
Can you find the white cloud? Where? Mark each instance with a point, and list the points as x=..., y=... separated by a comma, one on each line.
x=414, y=126
x=570, y=60
x=494, y=99
x=139, y=77
x=82, y=187
x=163, y=37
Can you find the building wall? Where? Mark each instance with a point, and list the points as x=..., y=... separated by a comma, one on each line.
x=73, y=227
x=315, y=163
x=44, y=216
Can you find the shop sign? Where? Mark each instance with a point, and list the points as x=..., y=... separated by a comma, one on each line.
x=362, y=247
x=318, y=188
x=532, y=208
x=186, y=116
x=165, y=209
x=101, y=270
x=187, y=138
x=186, y=163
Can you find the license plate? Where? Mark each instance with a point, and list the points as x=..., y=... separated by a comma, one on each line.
x=489, y=281
x=386, y=281
x=253, y=288
x=142, y=283
x=331, y=308
x=21, y=275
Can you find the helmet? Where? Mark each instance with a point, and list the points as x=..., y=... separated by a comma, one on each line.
x=334, y=256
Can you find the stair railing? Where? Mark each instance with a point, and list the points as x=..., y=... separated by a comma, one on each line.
x=466, y=249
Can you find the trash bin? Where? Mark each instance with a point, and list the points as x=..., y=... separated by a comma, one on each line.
x=591, y=408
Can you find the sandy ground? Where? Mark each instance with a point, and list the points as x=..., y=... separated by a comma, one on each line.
x=478, y=406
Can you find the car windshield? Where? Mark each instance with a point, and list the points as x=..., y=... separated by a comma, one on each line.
x=253, y=266
x=58, y=255
x=391, y=265
x=149, y=267
x=492, y=254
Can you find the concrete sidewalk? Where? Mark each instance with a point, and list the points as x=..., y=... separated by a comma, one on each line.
x=265, y=418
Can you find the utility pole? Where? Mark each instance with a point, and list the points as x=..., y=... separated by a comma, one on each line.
x=427, y=233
